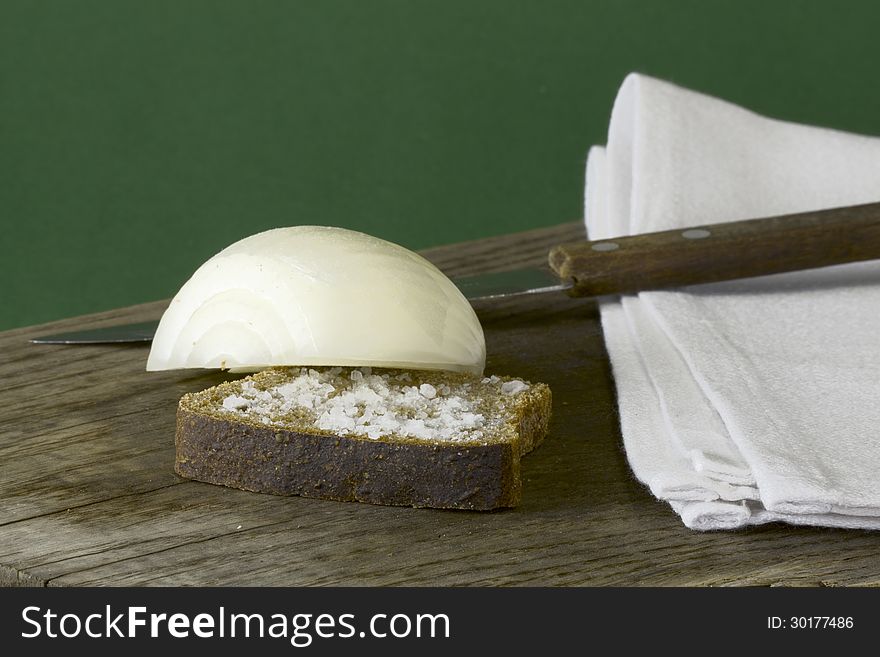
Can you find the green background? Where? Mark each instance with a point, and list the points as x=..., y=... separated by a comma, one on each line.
x=139, y=138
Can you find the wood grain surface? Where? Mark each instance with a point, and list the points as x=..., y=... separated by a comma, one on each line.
x=89, y=496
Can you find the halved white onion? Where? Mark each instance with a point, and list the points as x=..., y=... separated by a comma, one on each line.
x=316, y=295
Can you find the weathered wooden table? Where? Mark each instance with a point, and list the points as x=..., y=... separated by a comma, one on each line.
x=89, y=496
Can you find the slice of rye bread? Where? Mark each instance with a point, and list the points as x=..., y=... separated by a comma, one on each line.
x=422, y=439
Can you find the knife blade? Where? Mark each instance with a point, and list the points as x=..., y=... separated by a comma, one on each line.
x=121, y=333
x=648, y=261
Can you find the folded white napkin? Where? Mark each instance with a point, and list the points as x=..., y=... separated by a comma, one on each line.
x=750, y=401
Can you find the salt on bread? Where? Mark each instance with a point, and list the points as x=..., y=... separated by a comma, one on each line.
x=407, y=438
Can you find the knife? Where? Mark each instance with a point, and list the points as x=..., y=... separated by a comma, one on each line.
x=649, y=261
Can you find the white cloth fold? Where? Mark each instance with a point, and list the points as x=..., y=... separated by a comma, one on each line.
x=748, y=401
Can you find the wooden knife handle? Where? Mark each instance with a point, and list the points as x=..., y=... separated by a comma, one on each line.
x=720, y=252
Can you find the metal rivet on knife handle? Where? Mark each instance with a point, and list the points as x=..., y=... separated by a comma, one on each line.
x=738, y=249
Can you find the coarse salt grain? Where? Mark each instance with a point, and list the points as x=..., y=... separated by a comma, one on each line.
x=513, y=387
x=235, y=403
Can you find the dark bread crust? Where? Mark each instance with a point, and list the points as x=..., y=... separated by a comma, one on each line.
x=401, y=472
